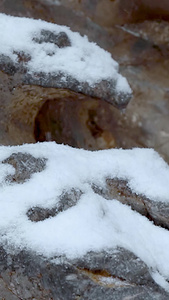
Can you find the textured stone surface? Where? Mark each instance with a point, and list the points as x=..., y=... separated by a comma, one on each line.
x=33, y=113
x=104, y=89
x=23, y=93
x=119, y=263
x=112, y=274
x=89, y=128
x=61, y=40
x=25, y=165
x=136, y=33
x=158, y=212
x=66, y=200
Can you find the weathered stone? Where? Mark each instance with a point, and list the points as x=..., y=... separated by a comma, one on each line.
x=136, y=33
x=66, y=200
x=90, y=127
x=156, y=211
x=105, y=89
x=119, y=263
x=123, y=11
x=61, y=40
x=25, y=165
x=118, y=189
x=39, y=114
x=110, y=275
x=21, y=99
x=142, y=51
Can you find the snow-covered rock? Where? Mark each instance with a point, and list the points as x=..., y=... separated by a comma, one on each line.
x=64, y=220
x=49, y=55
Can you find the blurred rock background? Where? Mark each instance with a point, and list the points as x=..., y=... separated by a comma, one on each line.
x=136, y=33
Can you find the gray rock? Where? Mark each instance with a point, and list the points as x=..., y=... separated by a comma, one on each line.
x=66, y=200
x=25, y=165
x=119, y=190
x=29, y=276
x=61, y=40
x=158, y=212
x=105, y=89
x=119, y=263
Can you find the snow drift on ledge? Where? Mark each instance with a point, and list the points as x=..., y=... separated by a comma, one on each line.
x=81, y=59
x=94, y=223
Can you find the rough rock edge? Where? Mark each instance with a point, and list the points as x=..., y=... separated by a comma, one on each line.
x=105, y=89
x=155, y=211
x=66, y=200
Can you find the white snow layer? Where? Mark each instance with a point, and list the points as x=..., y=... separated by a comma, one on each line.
x=94, y=223
x=83, y=60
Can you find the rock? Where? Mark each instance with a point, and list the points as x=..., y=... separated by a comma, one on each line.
x=61, y=40
x=110, y=274
x=24, y=89
x=158, y=212
x=90, y=128
x=118, y=263
x=124, y=11
x=88, y=74
x=136, y=34
x=25, y=165
x=30, y=113
x=138, y=39
x=66, y=200
x=116, y=275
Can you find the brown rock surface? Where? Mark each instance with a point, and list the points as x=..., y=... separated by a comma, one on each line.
x=33, y=113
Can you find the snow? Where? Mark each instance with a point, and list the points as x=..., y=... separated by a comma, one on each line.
x=94, y=223
x=83, y=60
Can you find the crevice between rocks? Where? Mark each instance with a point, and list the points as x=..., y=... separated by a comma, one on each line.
x=104, y=278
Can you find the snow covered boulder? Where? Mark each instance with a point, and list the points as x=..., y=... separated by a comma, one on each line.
x=42, y=62
x=72, y=224
x=53, y=56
